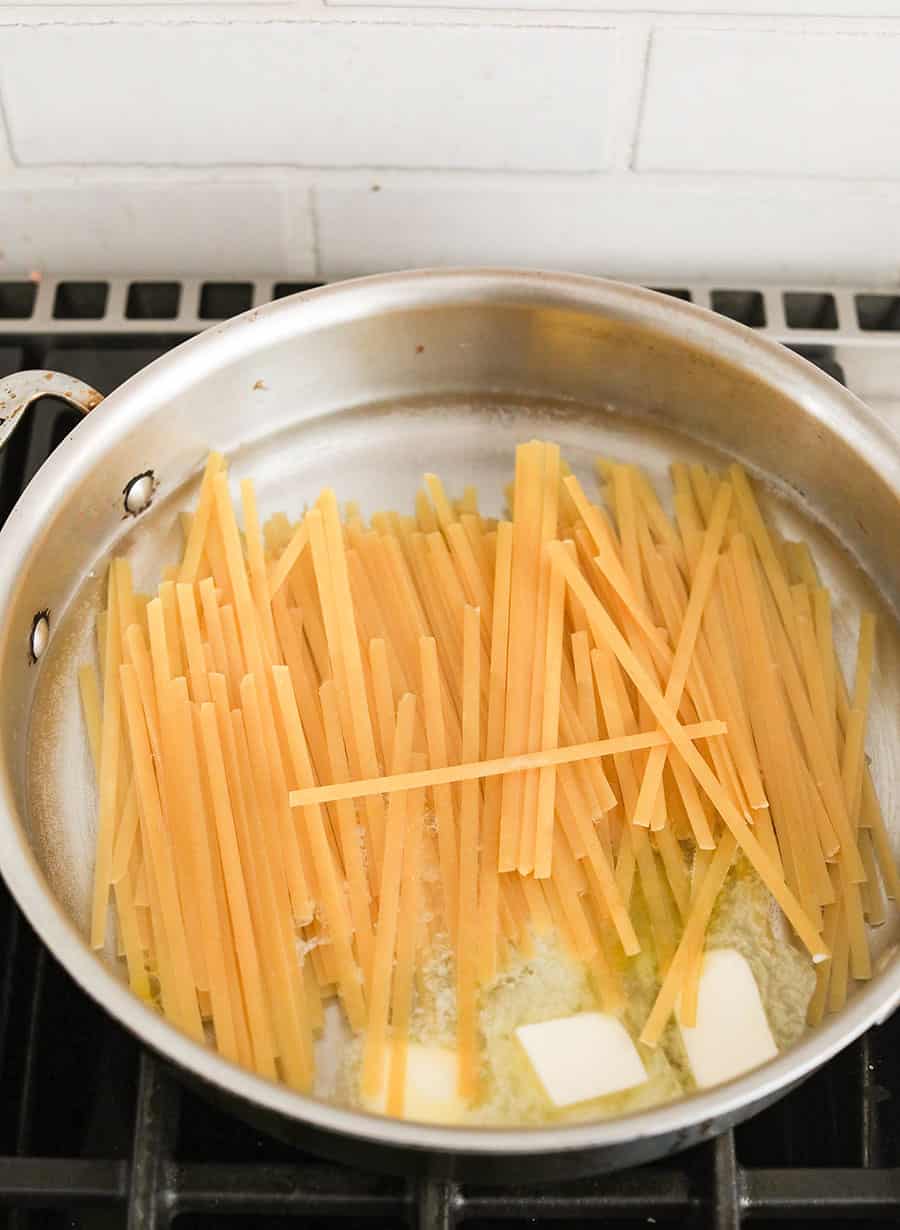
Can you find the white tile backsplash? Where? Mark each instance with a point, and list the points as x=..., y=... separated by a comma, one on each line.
x=309, y=94
x=6, y=162
x=772, y=103
x=623, y=229
x=755, y=8
x=145, y=227
x=649, y=138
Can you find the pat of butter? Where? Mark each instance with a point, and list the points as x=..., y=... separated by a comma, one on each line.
x=430, y=1094
x=732, y=1034
x=577, y=1058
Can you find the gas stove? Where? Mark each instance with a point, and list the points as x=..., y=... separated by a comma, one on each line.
x=97, y=1133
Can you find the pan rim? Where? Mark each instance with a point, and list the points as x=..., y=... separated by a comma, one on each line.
x=219, y=345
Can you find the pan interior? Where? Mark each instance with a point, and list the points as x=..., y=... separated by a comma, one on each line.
x=376, y=454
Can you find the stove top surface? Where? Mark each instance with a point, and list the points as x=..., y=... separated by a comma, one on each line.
x=97, y=1133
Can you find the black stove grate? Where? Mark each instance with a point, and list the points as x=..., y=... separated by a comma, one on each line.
x=95, y=1133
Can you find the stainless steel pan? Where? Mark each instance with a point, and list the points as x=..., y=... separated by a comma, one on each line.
x=364, y=385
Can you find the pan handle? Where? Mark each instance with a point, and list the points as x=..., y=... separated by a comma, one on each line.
x=18, y=391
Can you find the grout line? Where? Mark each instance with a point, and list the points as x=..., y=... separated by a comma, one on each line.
x=638, y=118
x=312, y=204
x=770, y=185
x=623, y=86
x=7, y=158
x=826, y=17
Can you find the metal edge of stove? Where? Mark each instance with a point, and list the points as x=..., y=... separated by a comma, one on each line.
x=796, y=313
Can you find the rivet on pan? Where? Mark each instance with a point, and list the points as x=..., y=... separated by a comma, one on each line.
x=138, y=493
x=40, y=634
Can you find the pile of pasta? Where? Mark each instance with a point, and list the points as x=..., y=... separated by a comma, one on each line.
x=324, y=748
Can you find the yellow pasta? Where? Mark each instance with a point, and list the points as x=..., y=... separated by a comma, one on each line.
x=200, y=523
x=429, y=778
x=401, y=998
x=168, y=915
x=547, y=531
x=546, y=798
x=289, y=557
x=490, y=882
x=351, y=847
x=246, y=957
x=274, y=933
x=703, y=577
x=524, y=587
x=469, y=837
x=606, y=631
x=334, y=905
x=256, y=566
x=109, y=768
x=444, y=807
x=389, y=901
x=212, y=925
x=339, y=757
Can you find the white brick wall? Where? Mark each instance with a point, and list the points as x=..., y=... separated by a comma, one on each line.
x=644, y=138
x=309, y=94
x=145, y=225
x=771, y=103
x=649, y=230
